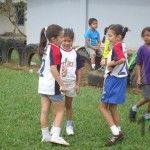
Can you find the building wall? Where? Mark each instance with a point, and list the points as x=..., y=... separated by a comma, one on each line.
x=6, y=26
x=75, y=14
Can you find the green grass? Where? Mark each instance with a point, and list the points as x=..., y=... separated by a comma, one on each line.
x=20, y=113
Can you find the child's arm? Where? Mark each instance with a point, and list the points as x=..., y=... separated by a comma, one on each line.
x=78, y=80
x=138, y=73
x=89, y=44
x=98, y=44
x=114, y=63
x=57, y=77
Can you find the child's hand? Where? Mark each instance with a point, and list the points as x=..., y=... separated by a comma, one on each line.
x=103, y=62
x=62, y=88
x=77, y=89
x=64, y=70
x=139, y=80
x=110, y=69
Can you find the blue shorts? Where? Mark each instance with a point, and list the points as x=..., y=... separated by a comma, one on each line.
x=114, y=91
x=55, y=98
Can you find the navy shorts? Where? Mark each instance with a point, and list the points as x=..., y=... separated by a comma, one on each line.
x=114, y=90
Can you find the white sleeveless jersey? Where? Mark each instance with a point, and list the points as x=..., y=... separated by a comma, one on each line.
x=72, y=61
x=117, y=52
x=47, y=83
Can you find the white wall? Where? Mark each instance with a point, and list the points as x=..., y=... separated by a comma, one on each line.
x=75, y=14
x=6, y=25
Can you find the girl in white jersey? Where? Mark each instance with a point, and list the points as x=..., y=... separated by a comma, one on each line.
x=50, y=82
x=70, y=59
x=115, y=83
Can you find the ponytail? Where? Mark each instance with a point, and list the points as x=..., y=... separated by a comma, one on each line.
x=43, y=42
x=105, y=32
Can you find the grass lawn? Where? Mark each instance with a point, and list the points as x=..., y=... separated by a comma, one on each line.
x=20, y=113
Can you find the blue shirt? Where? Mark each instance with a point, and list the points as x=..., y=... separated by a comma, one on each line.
x=93, y=36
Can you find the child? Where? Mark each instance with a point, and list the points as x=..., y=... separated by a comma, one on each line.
x=143, y=72
x=71, y=59
x=115, y=83
x=50, y=83
x=92, y=41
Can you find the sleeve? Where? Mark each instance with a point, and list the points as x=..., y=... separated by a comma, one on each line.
x=55, y=56
x=79, y=62
x=98, y=35
x=139, y=59
x=87, y=34
x=117, y=53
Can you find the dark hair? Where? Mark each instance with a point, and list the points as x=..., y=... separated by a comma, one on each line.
x=105, y=32
x=91, y=20
x=69, y=33
x=119, y=30
x=144, y=30
x=46, y=34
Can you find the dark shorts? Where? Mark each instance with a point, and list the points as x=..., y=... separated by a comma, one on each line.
x=146, y=91
x=114, y=91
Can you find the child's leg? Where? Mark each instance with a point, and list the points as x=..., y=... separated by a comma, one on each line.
x=133, y=110
x=45, y=108
x=93, y=61
x=69, y=127
x=68, y=104
x=139, y=104
x=115, y=115
x=147, y=115
x=59, y=113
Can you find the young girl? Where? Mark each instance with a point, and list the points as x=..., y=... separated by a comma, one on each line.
x=50, y=82
x=70, y=59
x=115, y=83
x=143, y=72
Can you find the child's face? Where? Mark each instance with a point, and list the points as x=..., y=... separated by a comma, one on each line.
x=146, y=37
x=94, y=25
x=58, y=41
x=67, y=43
x=113, y=38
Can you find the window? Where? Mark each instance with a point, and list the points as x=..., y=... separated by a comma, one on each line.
x=20, y=16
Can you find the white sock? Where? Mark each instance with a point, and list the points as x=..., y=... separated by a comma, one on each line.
x=119, y=128
x=56, y=132
x=114, y=130
x=93, y=66
x=45, y=132
x=134, y=108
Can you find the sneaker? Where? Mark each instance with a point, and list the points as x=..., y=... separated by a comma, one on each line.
x=69, y=130
x=46, y=139
x=59, y=140
x=132, y=115
x=114, y=139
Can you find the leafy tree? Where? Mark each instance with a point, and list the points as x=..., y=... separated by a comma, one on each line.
x=10, y=9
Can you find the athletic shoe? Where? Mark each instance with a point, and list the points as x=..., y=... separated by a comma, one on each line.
x=114, y=139
x=69, y=130
x=132, y=115
x=46, y=139
x=59, y=140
